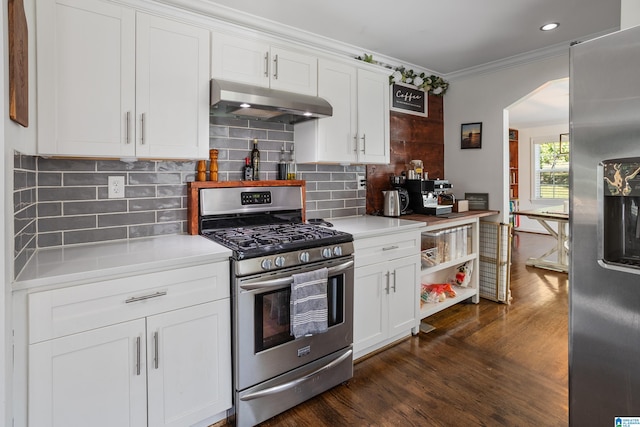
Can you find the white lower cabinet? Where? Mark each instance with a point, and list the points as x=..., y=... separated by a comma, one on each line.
x=386, y=277
x=91, y=378
x=139, y=351
x=189, y=368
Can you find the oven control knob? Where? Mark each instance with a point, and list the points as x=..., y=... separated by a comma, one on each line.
x=266, y=264
x=279, y=261
x=304, y=256
x=326, y=253
x=337, y=251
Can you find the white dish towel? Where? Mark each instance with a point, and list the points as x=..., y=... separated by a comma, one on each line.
x=309, y=308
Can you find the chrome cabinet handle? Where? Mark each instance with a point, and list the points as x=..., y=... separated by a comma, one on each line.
x=156, y=351
x=138, y=356
x=275, y=67
x=144, y=297
x=142, y=129
x=266, y=64
x=394, y=281
x=390, y=248
x=387, y=288
x=355, y=140
x=127, y=126
x=364, y=142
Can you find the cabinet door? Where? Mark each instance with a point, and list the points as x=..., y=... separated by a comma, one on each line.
x=370, y=306
x=239, y=60
x=94, y=378
x=189, y=364
x=172, y=89
x=336, y=134
x=373, y=117
x=294, y=71
x=403, y=293
x=86, y=78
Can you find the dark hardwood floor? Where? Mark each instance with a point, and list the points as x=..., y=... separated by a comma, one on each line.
x=488, y=364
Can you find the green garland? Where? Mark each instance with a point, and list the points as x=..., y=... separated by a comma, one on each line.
x=434, y=85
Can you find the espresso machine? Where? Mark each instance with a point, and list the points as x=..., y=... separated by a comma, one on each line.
x=429, y=196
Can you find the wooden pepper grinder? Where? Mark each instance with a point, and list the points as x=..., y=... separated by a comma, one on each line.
x=201, y=175
x=213, y=165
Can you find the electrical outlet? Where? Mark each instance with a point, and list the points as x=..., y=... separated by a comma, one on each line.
x=362, y=182
x=116, y=187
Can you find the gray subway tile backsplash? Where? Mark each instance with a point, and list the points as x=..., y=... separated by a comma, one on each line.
x=60, y=202
x=94, y=235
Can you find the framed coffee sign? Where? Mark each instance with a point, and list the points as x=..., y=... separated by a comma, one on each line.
x=408, y=99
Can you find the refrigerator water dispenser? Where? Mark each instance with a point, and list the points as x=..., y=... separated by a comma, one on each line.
x=620, y=212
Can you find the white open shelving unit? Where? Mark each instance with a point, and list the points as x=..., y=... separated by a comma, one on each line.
x=444, y=271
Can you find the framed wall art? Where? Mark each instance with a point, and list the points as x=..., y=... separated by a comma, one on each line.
x=471, y=135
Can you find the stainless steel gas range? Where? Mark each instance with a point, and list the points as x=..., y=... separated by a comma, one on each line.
x=276, y=367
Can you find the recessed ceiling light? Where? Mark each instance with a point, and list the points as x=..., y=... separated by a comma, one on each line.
x=307, y=114
x=550, y=26
x=245, y=105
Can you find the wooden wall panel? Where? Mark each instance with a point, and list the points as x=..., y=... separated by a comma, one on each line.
x=412, y=137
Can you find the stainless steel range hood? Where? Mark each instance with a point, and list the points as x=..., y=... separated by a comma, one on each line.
x=254, y=102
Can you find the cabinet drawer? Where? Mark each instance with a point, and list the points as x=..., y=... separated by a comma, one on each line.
x=384, y=248
x=74, y=309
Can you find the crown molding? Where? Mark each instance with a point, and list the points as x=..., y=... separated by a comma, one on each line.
x=242, y=21
x=558, y=49
x=231, y=19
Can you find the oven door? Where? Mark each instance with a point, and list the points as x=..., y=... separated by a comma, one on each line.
x=264, y=347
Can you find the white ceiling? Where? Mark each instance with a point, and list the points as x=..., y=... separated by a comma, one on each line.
x=441, y=36
x=451, y=37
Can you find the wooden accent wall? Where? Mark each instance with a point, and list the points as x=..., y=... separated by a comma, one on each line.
x=412, y=138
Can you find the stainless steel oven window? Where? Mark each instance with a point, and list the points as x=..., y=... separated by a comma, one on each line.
x=272, y=325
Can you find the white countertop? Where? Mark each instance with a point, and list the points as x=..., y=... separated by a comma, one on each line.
x=67, y=266
x=369, y=226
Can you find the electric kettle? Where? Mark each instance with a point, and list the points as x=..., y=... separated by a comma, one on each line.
x=391, y=203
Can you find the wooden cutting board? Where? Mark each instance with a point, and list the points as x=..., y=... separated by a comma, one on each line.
x=18, y=64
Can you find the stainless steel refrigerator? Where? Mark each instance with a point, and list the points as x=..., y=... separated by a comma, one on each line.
x=604, y=274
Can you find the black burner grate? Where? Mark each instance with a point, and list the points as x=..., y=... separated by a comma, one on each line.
x=275, y=238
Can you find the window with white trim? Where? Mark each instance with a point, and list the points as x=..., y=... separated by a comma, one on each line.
x=551, y=167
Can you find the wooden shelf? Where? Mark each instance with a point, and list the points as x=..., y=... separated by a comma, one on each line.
x=513, y=164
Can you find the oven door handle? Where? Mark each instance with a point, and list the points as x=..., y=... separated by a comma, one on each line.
x=289, y=385
x=277, y=283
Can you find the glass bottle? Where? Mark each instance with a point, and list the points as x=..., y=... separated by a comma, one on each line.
x=283, y=165
x=255, y=160
x=292, y=165
x=247, y=171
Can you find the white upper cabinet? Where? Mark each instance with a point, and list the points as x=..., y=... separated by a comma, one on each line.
x=358, y=131
x=373, y=117
x=116, y=82
x=255, y=62
x=172, y=89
